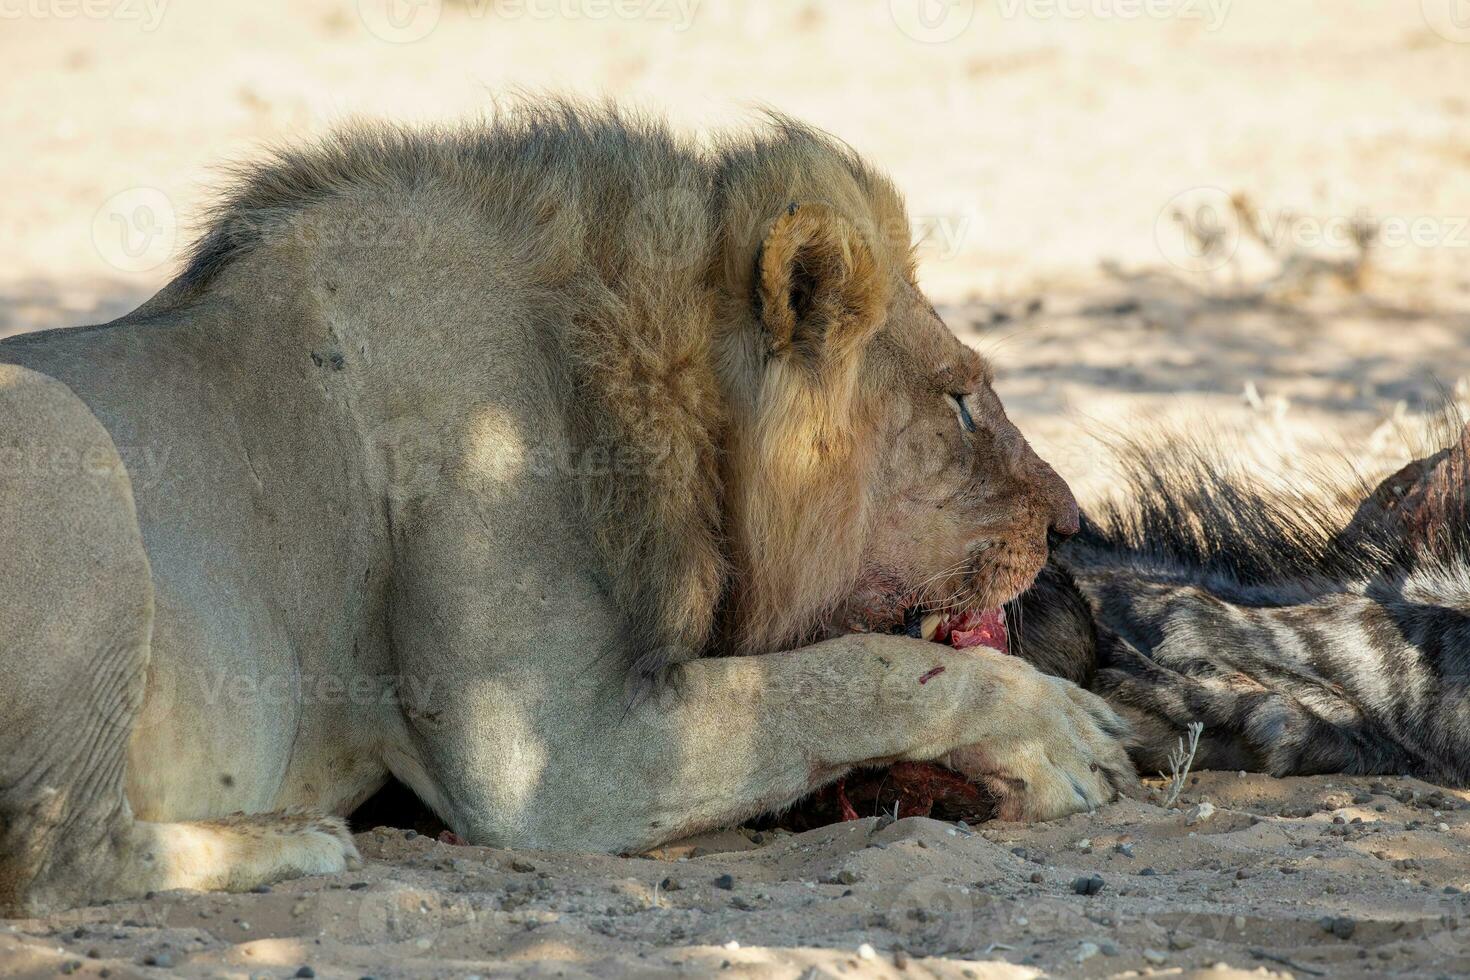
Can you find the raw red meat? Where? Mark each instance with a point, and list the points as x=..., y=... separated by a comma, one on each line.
x=975, y=629
x=910, y=789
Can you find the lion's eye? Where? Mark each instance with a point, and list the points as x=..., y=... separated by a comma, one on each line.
x=966, y=421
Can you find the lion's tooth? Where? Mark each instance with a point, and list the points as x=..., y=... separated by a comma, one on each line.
x=930, y=626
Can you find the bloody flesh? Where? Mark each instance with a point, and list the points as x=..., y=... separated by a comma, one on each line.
x=975, y=629
x=910, y=789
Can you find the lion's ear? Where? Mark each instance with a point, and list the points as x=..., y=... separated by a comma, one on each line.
x=818, y=289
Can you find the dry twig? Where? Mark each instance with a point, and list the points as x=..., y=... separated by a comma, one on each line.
x=1180, y=761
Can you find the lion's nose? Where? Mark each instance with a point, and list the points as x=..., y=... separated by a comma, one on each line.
x=1065, y=517
x=1066, y=520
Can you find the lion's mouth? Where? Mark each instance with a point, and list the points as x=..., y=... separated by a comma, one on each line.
x=961, y=630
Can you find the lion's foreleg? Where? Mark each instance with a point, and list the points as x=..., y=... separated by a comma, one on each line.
x=728, y=738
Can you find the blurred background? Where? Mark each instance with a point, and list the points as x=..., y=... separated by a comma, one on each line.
x=1254, y=212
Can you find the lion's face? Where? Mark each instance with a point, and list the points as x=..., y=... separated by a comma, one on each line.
x=960, y=508
x=872, y=469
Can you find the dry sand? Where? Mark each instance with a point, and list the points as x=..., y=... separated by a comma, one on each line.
x=1289, y=875
x=1066, y=162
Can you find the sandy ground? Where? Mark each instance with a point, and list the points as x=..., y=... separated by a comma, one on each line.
x=1149, y=219
x=1315, y=877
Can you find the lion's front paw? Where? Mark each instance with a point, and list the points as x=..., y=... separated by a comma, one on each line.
x=1065, y=755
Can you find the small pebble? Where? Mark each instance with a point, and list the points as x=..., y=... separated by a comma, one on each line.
x=306, y=971
x=867, y=952
x=725, y=881
x=1088, y=885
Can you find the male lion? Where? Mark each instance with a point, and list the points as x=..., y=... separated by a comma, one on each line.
x=537, y=463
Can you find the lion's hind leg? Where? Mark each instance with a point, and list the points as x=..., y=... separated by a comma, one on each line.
x=75, y=623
